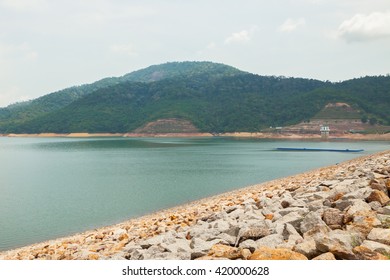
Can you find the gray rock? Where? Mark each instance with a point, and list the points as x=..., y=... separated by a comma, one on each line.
x=252, y=232
x=170, y=256
x=303, y=199
x=358, y=206
x=236, y=214
x=137, y=254
x=220, y=225
x=229, y=239
x=341, y=204
x=315, y=205
x=310, y=221
x=377, y=247
x=248, y=244
x=271, y=241
x=346, y=186
x=166, y=238
x=213, y=217
x=329, y=183
x=380, y=235
x=300, y=210
x=376, y=206
x=386, y=210
x=269, y=204
x=203, y=230
x=201, y=247
x=308, y=248
x=358, y=194
x=179, y=246
x=339, y=242
x=292, y=218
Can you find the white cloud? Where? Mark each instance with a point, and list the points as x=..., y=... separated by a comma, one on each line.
x=243, y=36
x=11, y=95
x=127, y=49
x=365, y=27
x=292, y=24
x=211, y=46
x=23, y=51
x=24, y=5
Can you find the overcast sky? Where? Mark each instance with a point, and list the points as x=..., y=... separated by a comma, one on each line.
x=48, y=45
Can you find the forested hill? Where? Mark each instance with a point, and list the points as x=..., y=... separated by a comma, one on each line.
x=214, y=97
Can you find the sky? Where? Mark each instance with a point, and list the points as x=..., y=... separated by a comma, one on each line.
x=49, y=45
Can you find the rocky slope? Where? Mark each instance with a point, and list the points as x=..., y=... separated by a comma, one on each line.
x=332, y=213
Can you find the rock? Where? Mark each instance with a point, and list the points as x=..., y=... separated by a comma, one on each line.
x=379, y=196
x=265, y=253
x=386, y=210
x=380, y=187
x=224, y=251
x=269, y=217
x=248, y=244
x=315, y=205
x=380, y=235
x=358, y=194
x=292, y=218
x=201, y=247
x=364, y=253
x=317, y=232
x=329, y=183
x=387, y=184
x=308, y=248
x=357, y=206
x=229, y=239
x=325, y=257
x=338, y=242
x=341, y=204
x=271, y=241
x=377, y=247
x=246, y=253
x=252, y=232
x=333, y=218
x=376, y=206
x=384, y=219
x=236, y=214
x=179, y=246
x=120, y=234
x=300, y=210
x=209, y=258
x=93, y=257
x=310, y=221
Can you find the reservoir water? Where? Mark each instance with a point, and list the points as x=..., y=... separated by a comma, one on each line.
x=53, y=187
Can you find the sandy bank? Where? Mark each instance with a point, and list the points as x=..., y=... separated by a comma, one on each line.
x=116, y=241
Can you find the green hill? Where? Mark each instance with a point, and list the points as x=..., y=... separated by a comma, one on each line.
x=213, y=97
x=21, y=112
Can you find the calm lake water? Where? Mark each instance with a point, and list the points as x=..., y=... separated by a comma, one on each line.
x=52, y=187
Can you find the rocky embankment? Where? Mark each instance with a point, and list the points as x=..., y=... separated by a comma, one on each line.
x=332, y=213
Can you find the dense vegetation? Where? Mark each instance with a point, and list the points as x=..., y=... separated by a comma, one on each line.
x=214, y=97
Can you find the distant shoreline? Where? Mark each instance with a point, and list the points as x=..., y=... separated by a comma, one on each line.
x=258, y=135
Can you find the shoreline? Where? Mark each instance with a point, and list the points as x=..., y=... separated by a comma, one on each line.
x=254, y=135
x=110, y=241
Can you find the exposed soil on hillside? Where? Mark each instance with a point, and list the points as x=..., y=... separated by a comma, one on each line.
x=167, y=126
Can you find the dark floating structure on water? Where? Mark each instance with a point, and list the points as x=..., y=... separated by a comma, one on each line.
x=319, y=150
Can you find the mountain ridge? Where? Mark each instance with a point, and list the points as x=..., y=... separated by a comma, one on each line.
x=213, y=96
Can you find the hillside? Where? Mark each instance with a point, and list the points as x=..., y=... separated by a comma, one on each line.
x=209, y=97
x=15, y=114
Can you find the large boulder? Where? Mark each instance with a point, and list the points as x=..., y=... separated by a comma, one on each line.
x=379, y=196
x=380, y=235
